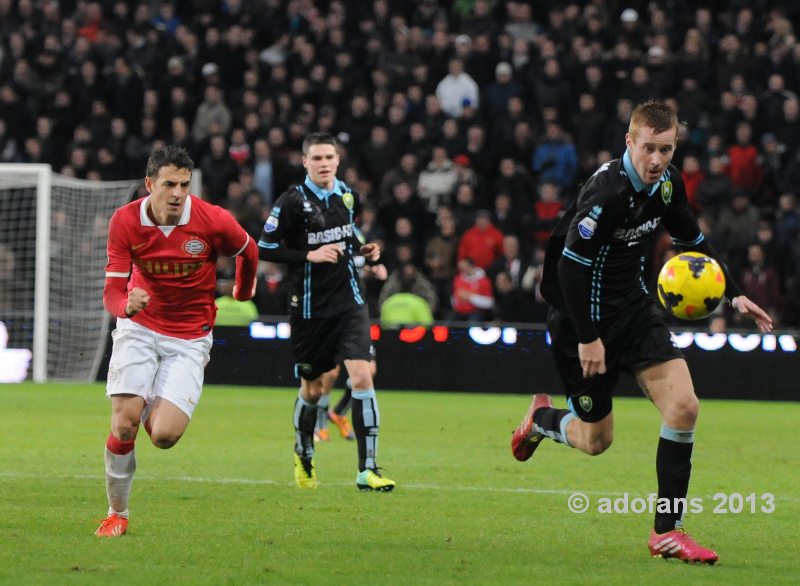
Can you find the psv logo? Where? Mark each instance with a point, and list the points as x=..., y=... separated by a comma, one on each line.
x=194, y=247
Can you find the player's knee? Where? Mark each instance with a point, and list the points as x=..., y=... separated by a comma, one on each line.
x=598, y=440
x=313, y=391
x=125, y=430
x=682, y=413
x=361, y=379
x=164, y=440
x=597, y=446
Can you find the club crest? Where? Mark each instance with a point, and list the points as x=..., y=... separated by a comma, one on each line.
x=585, y=403
x=194, y=247
x=348, y=200
x=666, y=192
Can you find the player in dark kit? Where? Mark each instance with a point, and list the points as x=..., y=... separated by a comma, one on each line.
x=603, y=321
x=311, y=229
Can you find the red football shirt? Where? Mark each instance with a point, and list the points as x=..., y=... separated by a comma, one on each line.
x=176, y=265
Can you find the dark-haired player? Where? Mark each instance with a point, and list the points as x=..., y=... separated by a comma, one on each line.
x=311, y=229
x=160, y=282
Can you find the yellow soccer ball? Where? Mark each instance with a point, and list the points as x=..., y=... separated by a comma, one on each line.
x=691, y=285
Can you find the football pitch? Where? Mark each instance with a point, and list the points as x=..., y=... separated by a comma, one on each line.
x=221, y=506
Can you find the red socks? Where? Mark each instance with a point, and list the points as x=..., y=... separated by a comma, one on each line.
x=119, y=447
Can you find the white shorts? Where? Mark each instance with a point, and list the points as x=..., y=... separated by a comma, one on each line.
x=150, y=365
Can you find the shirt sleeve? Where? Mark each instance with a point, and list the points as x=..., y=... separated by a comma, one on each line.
x=246, y=270
x=118, y=249
x=272, y=245
x=118, y=268
x=597, y=215
x=235, y=241
x=679, y=219
x=233, y=238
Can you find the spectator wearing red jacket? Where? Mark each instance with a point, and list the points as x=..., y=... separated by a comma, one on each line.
x=744, y=167
x=483, y=243
x=547, y=211
x=693, y=177
x=472, y=297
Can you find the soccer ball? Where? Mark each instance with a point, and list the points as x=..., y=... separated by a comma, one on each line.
x=691, y=285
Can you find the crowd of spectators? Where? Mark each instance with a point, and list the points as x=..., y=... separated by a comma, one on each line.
x=467, y=125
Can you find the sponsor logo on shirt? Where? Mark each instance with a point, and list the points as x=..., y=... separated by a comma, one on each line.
x=636, y=233
x=586, y=228
x=169, y=268
x=331, y=234
x=271, y=225
x=194, y=247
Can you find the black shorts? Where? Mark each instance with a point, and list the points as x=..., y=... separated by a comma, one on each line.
x=632, y=343
x=321, y=343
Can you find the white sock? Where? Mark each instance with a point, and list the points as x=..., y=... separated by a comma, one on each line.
x=119, y=477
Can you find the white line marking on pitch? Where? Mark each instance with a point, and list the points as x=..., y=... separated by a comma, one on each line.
x=268, y=482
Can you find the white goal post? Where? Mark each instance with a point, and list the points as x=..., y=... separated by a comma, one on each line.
x=53, y=232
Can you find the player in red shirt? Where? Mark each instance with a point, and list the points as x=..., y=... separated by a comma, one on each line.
x=160, y=281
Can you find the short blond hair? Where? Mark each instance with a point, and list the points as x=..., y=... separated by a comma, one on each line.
x=653, y=114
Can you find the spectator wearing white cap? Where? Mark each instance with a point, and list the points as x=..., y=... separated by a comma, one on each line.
x=629, y=16
x=631, y=28
x=495, y=97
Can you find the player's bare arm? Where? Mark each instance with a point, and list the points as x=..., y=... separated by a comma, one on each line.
x=326, y=253
x=746, y=307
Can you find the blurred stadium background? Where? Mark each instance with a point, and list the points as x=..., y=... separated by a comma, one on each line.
x=449, y=113
x=467, y=128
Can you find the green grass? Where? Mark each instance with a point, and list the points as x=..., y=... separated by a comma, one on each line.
x=220, y=507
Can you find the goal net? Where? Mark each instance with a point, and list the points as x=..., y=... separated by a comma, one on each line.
x=53, y=232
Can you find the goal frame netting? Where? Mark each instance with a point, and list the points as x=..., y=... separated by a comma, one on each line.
x=45, y=181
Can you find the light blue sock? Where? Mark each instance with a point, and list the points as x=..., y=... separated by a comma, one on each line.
x=366, y=422
x=305, y=418
x=322, y=412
